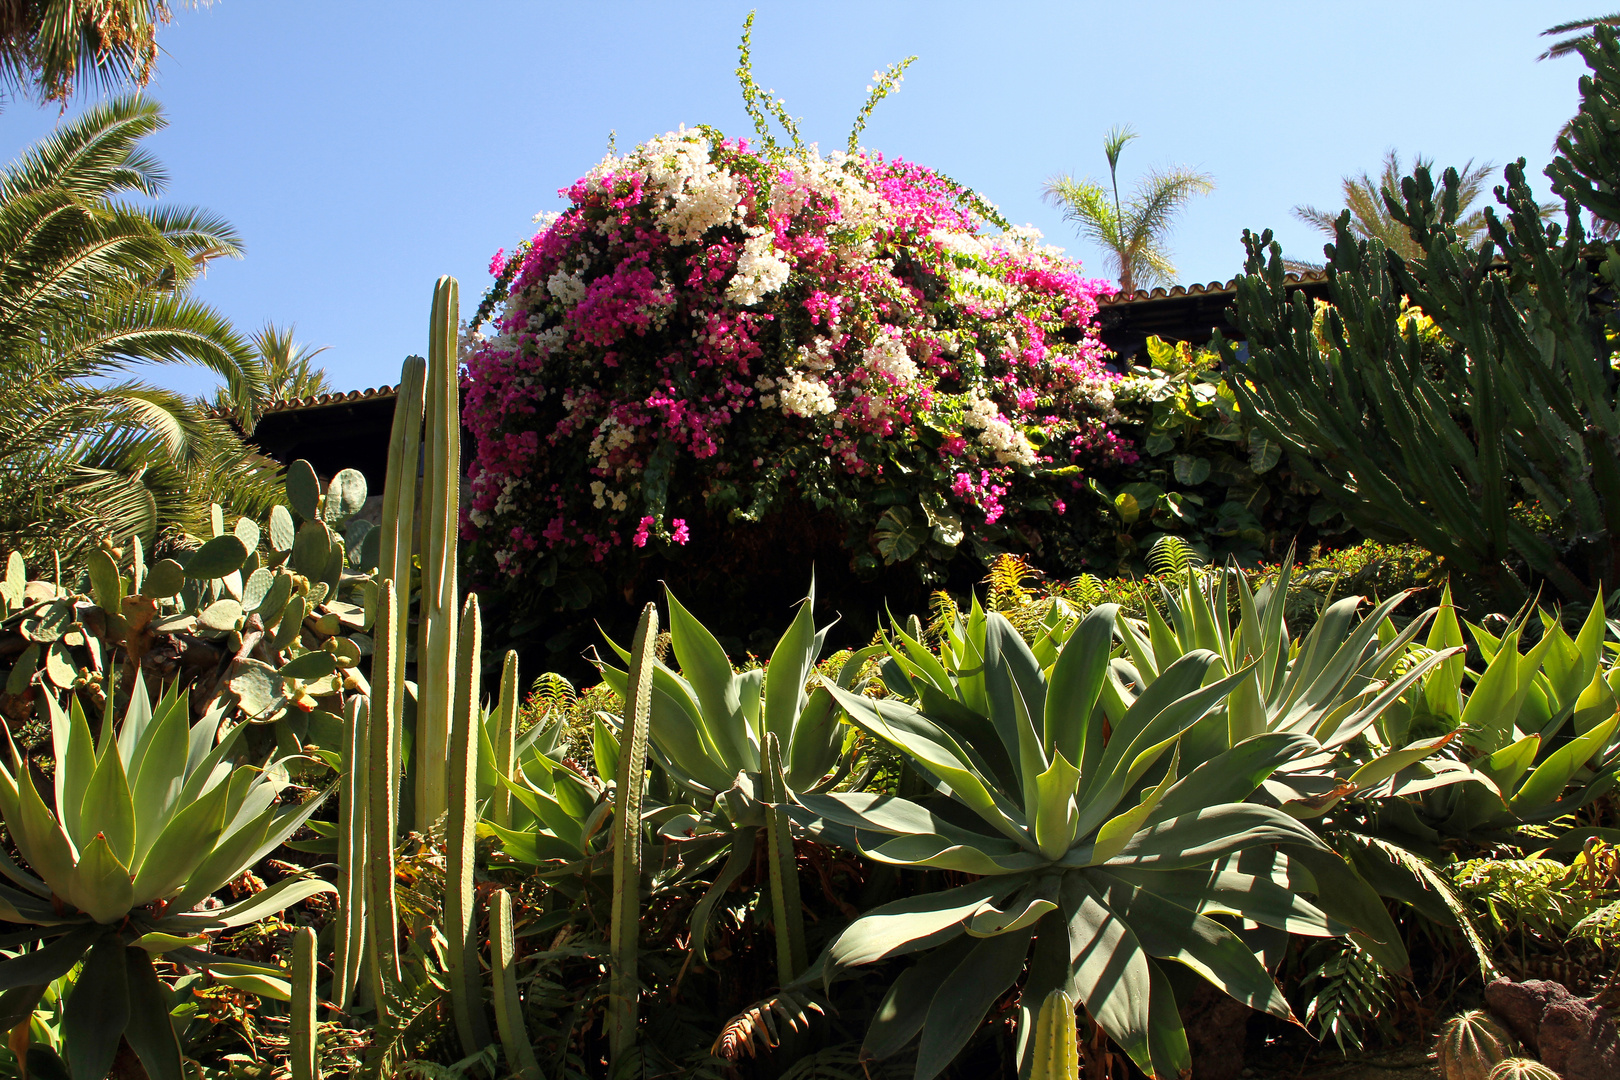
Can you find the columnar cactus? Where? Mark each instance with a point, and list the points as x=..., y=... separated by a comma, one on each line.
x=302, y=1052
x=382, y=812
x=1056, y=1053
x=623, y=986
x=349, y=933
x=1471, y=1044
x=460, y=912
x=520, y=1060
x=441, y=488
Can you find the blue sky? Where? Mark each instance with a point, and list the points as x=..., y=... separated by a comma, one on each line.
x=364, y=147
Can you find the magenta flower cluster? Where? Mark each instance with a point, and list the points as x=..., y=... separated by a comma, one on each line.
x=707, y=332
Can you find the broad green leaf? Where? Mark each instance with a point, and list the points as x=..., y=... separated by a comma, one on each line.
x=704, y=664
x=97, y=1009
x=278, y=897
x=904, y=1008
x=791, y=664
x=1205, y=835
x=964, y=997
x=1076, y=681
x=75, y=751
x=1191, y=470
x=887, y=930
x=1057, y=818
x=49, y=962
x=101, y=885
x=945, y=853
x=149, y=1031
x=108, y=809
x=41, y=840
x=1545, y=786
x=1117, y=831
x=253, y=981
x=1233, y=892
x=1023, y=910
x=187, y=839
x=1232, y=776
x=1175, y=932
x=1108, y=969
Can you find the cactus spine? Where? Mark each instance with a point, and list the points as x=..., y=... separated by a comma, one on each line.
x=349, y=943
x=441, y=490
x=515, y=1045
x=1521, y=1069
x=382, y=810
x=1056, y=1053
x=460, y=912
x=786, y=908
x=301, y=1051
x=623, y=984
x=500, y=800
x=1471, y=1044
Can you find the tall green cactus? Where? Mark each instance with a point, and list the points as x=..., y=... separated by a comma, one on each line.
x=349, y=933
x=441, y=491
x=786, y=907
x=623, y=983
x=520, y=1060
x=460, y=911
x=302, y=1051
x=382, y=809
x=1056, y=1052
x=398, y=535
x=500, y=800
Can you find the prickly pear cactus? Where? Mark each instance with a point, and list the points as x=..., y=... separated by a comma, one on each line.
x=1471, y=1044
x=1521, y=1069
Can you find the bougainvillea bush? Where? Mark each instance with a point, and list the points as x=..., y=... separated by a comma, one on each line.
x=713, y=331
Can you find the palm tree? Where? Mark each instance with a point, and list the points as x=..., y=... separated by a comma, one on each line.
x=1573, y=41
x=48, y=47
x=1370, y=218
x=1134, y=233
x=91, y=286
x=286, y=371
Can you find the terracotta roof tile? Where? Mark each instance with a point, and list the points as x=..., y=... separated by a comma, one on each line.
x=1161, y=293
x=315, y=401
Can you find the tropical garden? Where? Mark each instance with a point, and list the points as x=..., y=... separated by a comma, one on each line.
x=789, y=643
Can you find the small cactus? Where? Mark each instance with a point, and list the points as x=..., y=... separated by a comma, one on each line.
x=1517, y=1068
x=1471, y=1044
x=1056, y=1053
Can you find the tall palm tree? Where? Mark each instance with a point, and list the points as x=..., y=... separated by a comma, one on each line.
x=50, y=47
x=1370, y=217
x=1134, y=232
x=93, y=285
x=1573, y=41
x=286, y=371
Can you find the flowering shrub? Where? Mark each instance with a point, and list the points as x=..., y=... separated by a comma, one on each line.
x=712, y=330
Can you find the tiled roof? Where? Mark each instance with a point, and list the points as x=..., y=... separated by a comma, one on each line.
x=315, y=401
x=1119, y=299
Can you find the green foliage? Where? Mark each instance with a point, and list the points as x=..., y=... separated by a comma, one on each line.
x=1521, y=408
x=93, y=286
x=150, y=819
x=1348, y=994
x=55, y=47
x=624, y=990
x=1370, y=218
x=1202, y=474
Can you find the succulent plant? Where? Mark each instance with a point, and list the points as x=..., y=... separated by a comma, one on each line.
x=1519, y=1068
x=153, y=818
x=1056, y=1053
x=1471, y=1044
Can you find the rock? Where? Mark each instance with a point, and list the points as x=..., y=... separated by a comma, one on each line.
x=1575, y=1037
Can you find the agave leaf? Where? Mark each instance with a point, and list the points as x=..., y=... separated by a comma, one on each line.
x=911, y=922
x=253, y=981
x=945, y=854
x=49, y=962
x=1011, y=672
x=1545, y=786
x=1117, y=831
x=1231, y=776
x=958, y=1007
x=1108, y=969
x=1231, y=892
x=1076, y=682
x=1203, y=836
x=101, y=883
x=704, y=664
x=1175, y=932
x=278, y=897
x=149, y=1031
x=676, y=730
x=97, y=1009
x=108, y=808
x=1342, y=894
x=1057, y=818
x=905, y=1007
x=185, y=842
x=1167, y=1039
x=137, y=718
x=792, y=661
x=156, y=777
x=75, y=752
x=1025, y=909
x=42, y=841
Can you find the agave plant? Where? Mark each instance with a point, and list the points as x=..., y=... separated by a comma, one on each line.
x=150, y=821
x=1088, y=842
x=712, y=732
